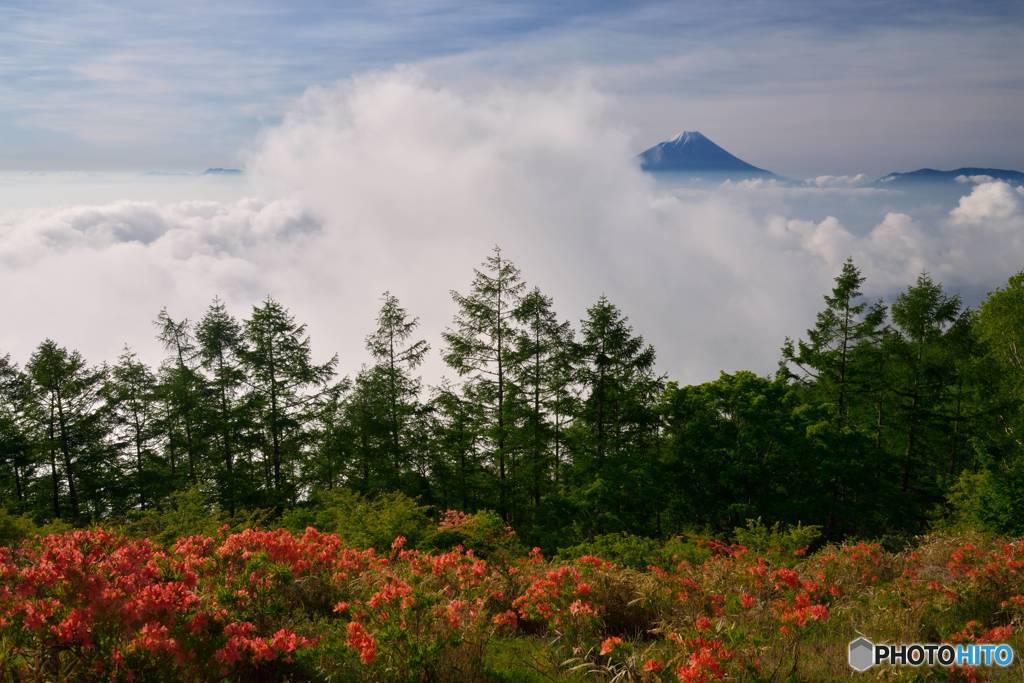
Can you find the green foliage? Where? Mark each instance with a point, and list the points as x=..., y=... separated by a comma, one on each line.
x=183, y=513
x=881, y=421
x=480, y=349
x=987, y=500
x=362, y=521
x=484, y=531
x=776, y=540
x=621, y=548
x=14, y=528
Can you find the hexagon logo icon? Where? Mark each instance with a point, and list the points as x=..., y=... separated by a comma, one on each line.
x=861, y=654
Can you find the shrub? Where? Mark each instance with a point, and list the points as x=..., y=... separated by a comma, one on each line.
x=275, y=605
x=360, y=521
x=621, y=548
x=14, y=528
x=776, y=540
x=484, y=531
x=183, y=513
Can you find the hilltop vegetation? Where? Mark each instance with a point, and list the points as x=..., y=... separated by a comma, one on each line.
x=277, y=605
x=881, y=422
x=135, y=541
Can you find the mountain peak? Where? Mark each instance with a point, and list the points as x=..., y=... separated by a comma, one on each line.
x=692, y=152
x=688, y=136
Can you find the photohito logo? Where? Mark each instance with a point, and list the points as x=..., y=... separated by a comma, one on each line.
x=863, y=654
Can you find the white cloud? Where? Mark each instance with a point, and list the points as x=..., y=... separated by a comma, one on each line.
x=752, y=184
x=393, y=182
x=978, y=243
x=976, y=179
x=989, y=201
x=857, y=180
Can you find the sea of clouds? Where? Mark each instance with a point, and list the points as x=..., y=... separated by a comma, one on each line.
x=394, y=182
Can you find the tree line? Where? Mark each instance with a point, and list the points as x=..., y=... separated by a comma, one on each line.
x=881, y=419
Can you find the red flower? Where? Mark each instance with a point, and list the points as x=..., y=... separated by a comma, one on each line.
x=653, y=665
x=359, y=639
x=609, y=644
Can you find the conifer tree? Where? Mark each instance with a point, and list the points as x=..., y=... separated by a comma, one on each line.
x=128, y=393
x=541, y=350
x=828, y=357
x=16, y=438
x=220, y=347
x=616, y=425
x=68, y=412
x=397, y=356
x=923, y=314
x=183, y=391
x=457, y=427
x=480, y=348
x=286, y=388
x=836, y=368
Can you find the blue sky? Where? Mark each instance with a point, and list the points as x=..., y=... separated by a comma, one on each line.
x=799, y=87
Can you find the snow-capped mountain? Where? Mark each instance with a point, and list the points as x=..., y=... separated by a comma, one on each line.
x=692, y=152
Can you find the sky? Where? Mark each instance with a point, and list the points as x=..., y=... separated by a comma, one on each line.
x=800, y=87
x=392, y=146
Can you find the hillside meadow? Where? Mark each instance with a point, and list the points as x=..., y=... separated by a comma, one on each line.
x=458, y=598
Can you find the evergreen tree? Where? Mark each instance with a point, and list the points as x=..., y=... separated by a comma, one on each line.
x=480, y=348
x=617, y=426
x=16, y=438
x=836, y=369
x=129, y=394
x=286, y=389
x=396, y=356
x=68, y=413
x=542, y=348
x=220, y=347
x=183, y=391
x=923, y=314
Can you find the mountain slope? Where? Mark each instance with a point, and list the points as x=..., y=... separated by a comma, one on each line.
x=930, y=175
x=692, y=152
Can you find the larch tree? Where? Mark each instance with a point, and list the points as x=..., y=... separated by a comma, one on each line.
x=15, y=432
x=396, y=357
x=129, y=394
x=835, y=368
x=68, y=410
x=182, y=388
x=542, y=346
x=480, y=348
x=220, y=347
x=923, y=313
x=286, y=387
x=828, y=357
x=617, y=425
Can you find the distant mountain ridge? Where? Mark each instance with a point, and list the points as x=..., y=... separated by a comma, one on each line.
x=931, y=175
x=693, y=152
x=222, y=171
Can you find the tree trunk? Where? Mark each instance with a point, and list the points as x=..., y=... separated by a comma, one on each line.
x=65, y=448
x=55, y=483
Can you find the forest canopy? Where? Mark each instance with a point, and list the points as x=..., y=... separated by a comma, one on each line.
x=882, y=419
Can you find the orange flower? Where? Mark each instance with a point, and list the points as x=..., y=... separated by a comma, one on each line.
x=609, y=644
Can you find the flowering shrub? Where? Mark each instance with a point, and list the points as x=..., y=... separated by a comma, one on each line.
x=275, y=605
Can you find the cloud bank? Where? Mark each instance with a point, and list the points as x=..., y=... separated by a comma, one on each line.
x=395, y=182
